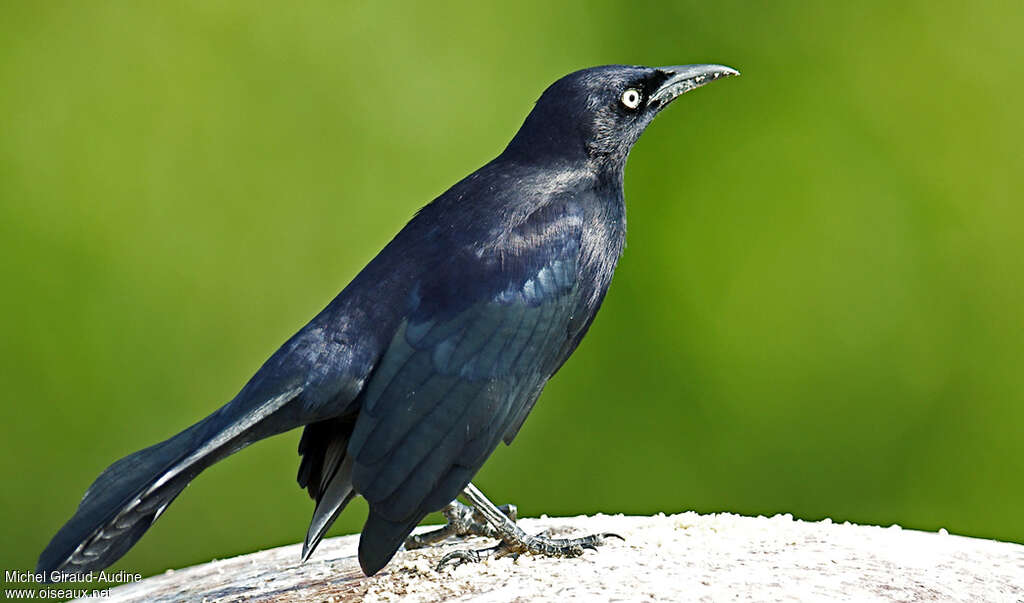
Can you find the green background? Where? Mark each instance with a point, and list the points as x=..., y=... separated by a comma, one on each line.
x=819, y=310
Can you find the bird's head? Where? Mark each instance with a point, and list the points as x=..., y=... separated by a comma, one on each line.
x=597, y=114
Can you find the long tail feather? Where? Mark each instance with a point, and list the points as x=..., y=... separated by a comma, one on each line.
x=130, y=495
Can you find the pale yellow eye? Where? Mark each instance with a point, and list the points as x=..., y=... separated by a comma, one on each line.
x=631, y=98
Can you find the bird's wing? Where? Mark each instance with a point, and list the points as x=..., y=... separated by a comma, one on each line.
x=480, y=343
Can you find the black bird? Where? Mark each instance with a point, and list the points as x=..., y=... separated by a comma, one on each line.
x=436, y=351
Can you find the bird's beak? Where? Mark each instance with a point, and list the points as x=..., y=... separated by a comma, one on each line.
x=683, y=78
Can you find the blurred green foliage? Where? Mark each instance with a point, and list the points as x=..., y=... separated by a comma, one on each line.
x=820, y=309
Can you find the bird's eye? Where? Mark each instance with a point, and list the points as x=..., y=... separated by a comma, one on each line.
x=631, y=98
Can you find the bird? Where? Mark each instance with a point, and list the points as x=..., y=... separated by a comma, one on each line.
x=435, y=352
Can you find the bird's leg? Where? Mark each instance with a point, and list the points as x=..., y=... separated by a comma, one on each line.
x=514, y=541
x=462, y=520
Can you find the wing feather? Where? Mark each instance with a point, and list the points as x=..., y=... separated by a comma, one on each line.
x=457, y=375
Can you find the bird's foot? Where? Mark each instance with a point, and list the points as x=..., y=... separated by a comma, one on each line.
x=499, y=523
x=518, y=542
x=462, y=521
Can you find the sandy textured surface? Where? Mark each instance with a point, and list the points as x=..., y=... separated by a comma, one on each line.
x=685, y=557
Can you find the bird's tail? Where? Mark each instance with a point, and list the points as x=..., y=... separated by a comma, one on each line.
x=127, y=498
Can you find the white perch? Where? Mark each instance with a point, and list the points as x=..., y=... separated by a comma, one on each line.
x=685, y=557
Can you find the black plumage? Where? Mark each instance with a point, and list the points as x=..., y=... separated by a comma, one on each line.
x=438, y=349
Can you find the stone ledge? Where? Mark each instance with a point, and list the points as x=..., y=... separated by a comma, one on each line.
x=685, y=557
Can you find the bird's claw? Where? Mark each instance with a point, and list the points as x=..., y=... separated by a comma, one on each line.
x=489, y=521
x=595, y=540
x=457, y=558
x=462, y=521
x=533, y=545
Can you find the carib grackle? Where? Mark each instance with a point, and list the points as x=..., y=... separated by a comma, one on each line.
x=435, y=352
